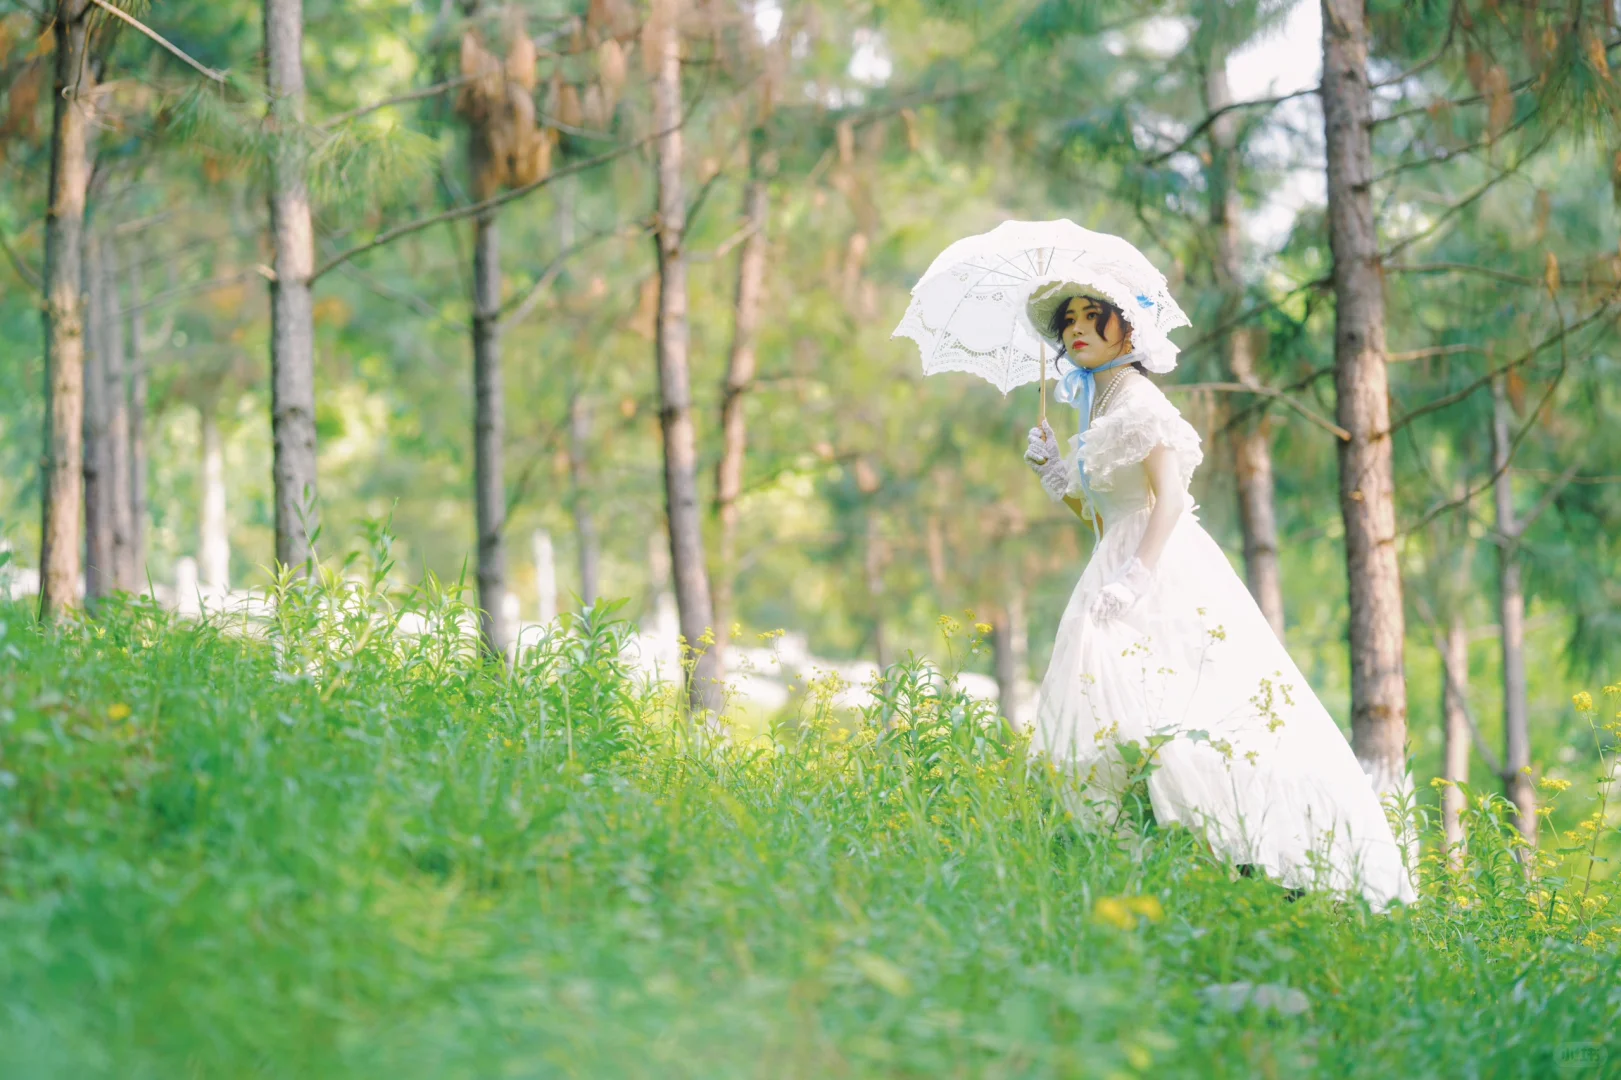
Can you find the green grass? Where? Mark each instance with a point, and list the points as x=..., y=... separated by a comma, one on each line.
x=329, y=849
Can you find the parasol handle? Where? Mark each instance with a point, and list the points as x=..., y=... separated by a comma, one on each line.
x=1044, y=382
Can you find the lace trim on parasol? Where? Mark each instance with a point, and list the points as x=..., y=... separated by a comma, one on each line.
x=1004, y=367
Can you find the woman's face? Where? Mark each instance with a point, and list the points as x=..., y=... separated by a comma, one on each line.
x=1086, y=346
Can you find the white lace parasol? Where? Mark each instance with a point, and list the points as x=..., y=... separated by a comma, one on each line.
x=971, y=310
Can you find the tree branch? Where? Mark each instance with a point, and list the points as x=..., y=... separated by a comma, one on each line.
x=1468, y=200
x=217, y=76
x=1485, y=380
x=1484, y=271
x=1425, y=354
x=1513, y=447
x=388, y=292
x=1268, y=392
x=473, y=209
x=1219, y=332
x=725, y=246
x=187, y=290
x=1473, y=99
x=1461, y=268
x=1434, y=57
x=400, y=99
x=1451, y=103
x=520, y=310
x=30, y=277
x=1216, y=114
x=1549, y=474
x=1448, y=154
x=1549, y=494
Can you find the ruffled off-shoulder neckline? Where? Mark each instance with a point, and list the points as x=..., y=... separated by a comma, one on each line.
x=1141, y=418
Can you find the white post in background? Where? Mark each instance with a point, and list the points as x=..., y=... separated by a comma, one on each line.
x=213, y=527
x=662, y=620
x=545, y=577
x=185, y=585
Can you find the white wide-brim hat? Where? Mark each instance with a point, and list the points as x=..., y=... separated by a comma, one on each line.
x=1149, y=342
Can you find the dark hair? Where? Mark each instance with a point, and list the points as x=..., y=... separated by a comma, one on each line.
x=1107, y=314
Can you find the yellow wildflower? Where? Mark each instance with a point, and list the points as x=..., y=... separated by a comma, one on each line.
x=1583, y=701
x=1146, y=906
x=1553, y=784
x=1111, y=910
x=120, y=711
x=1121, y=912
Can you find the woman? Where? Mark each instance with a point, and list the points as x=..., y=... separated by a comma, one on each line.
x=1163, y=647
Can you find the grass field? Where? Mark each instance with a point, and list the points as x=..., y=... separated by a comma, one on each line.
x=330, y=849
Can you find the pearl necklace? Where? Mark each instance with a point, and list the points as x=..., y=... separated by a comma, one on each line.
x=1108, y=395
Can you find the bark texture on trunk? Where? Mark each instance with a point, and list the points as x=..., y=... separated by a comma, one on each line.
x=121, y=500
x=63, y=312
x=1252, y=445
x=587, y=547
x=1511, y=617
x=489, y=435
x=137, y=422
x=740, y=372
x=675, y=384
x=1455, y=733
x=100, y=547
x=292, y=322
x=213, y=522
x=1367, y=496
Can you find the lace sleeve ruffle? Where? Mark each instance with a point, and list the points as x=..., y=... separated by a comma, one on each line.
x=1127, y=433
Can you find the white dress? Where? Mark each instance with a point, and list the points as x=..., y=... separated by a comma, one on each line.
x=1194, y=675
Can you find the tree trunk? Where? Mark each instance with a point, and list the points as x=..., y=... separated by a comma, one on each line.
x=585, y=525
x=1455, y=734
x=1011, y=645
x=137, y=423
x=1252, y=447
x=1367, y=495
x=213, y=524
x=675, y=390
x=1511, y=616
x=100, y=546
x=63, y=312
x=120, y=499
x=292, y=323
x=739, y=381
x=489, y=433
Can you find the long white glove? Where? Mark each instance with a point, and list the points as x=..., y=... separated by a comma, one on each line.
x=1047, y=459
x=1117, y=597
